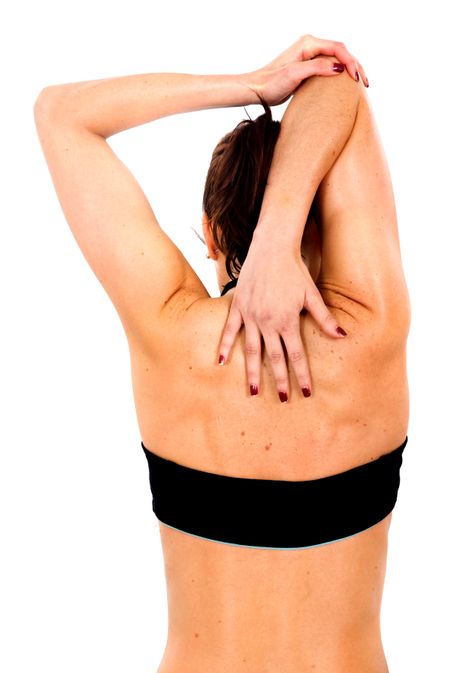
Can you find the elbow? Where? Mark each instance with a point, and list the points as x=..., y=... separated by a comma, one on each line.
x=48, y=102
x=45, y=103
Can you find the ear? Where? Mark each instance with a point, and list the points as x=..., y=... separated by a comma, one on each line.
x=213, y=251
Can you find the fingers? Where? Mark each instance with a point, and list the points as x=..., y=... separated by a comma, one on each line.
x=276, y=356
x=253, y=357
x=362, y=73
x=230, y=331
x=318, y=66
x=313, y=46
x=321, y=314
x=297, y=358
x=294, y=347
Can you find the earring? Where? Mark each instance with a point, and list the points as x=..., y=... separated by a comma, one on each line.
x=216, y=250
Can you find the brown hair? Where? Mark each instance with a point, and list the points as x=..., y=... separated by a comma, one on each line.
x=235, y=185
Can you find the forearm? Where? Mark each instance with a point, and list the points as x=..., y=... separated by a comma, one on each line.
x=108, y=106
x=315, y=127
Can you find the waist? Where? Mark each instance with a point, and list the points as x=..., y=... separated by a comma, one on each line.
x=302, y=652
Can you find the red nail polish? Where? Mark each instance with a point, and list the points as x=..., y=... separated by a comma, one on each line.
x=340, y=331
x=283, y=397
x=253, y=390
x=357, y=76
x=338, y=67
x=221, y=359
x=306, y=392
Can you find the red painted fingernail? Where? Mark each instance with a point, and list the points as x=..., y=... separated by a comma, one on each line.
x=253, y=390
x=338, y=67
x=367, y=83
x=283, y=397
x=306, y=392
x=341, y=331
x=357, y=76
x=221, y=359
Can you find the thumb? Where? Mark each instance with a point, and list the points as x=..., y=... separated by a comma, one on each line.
x=322, y=315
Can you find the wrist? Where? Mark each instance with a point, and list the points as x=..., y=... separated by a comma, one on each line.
x=274, y=234
x=252, y=84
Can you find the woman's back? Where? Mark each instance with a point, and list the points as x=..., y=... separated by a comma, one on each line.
x=246, y=609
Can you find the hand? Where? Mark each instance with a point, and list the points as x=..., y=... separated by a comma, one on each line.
x=273, y=308
x=278, y=79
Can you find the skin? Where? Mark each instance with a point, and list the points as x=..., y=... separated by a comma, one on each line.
x=290, y=610
x=229, y=607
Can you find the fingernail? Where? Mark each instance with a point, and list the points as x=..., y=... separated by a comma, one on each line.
x=357, y=76
x=221, y=359
x=306, y=392
x=338, y=67
x=283, y=397
x=367, y=83
x=341, y=331
x=253, y=390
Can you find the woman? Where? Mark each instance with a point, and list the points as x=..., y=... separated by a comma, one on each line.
x=274, y=517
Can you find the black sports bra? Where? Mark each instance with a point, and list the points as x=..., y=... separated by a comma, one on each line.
x=270, y=513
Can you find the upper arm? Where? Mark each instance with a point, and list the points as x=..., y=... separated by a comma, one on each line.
x=361, y=256
x=114, y=225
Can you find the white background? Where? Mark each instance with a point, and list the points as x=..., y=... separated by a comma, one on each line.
x=82, y=587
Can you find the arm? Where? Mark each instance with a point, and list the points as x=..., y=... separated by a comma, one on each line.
x=108, y=106
x=108, y=213
x=315, y=128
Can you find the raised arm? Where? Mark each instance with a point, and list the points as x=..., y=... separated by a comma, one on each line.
x=315, y=127
x=274, y=284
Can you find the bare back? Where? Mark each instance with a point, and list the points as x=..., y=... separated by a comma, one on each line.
x=243, y=609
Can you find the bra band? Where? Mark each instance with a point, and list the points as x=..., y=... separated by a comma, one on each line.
x=269, y=513
x=228, y=286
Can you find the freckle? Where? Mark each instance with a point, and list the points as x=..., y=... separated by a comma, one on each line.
x=267, y=447
x=192, y=580
x=190, y=367
x=332, y=350
x=341, y=358
x=308, y=572
x=365, y=425
x=142, y=252
x=242, y=433
x=196, y=635
x=219, y=621
x=357, y=420
x=146, y=369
